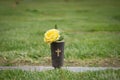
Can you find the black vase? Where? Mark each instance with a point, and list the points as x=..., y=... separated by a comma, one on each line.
x=57, y=54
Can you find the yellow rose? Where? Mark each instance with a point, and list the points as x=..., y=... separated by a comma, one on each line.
x=51, y=35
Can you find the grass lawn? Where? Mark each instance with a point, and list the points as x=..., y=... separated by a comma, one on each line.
x=59, y=75
x=91, y=30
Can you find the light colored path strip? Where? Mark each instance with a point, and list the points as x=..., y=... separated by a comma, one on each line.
x=43, y=68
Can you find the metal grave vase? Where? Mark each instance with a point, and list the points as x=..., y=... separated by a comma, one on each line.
x=57, y=54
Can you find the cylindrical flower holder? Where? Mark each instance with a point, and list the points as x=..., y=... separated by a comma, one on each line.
x=57, y=54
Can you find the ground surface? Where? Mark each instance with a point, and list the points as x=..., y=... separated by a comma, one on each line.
x=59, y=74
x=91, y=30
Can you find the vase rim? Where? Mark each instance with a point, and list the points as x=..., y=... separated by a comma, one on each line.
x=59, y=41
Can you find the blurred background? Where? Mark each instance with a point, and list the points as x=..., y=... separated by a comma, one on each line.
x=91, y=31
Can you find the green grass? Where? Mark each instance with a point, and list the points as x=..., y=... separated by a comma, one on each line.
x=91, y=30
x=59, y=75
